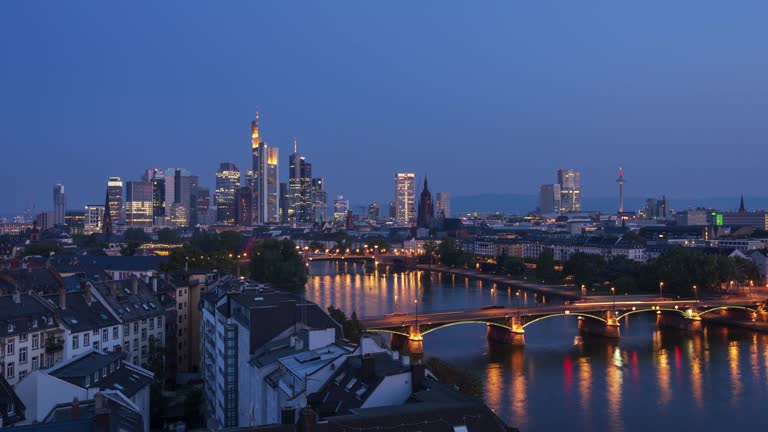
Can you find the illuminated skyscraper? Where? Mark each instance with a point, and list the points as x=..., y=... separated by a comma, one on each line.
x=340, y=208
x=115, y=200
x=157, y=178
x=443, y=205
x=138, y=204
x=299, y=188
x=319, y=201
x=228, y=179
x=265, y=184
x=405, y=198
x=180, y=196
x=93, y=219
x=59, y=204
x=570, y=190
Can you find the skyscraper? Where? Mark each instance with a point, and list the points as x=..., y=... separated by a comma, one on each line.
x=549, y=199
x=405, y=198
x=138, y=204
x=443, y=205
x=243, y=215
x=299, y=188
x=228, y=180
x=157, y=178
x=570, y=190
x=426, y=208
x=59, y=204
x=115, y=200
x=340, y=208
x=373, y=212
x=203, y=205
x=284, y=194
x=319, y=200
x=265, y=183
x=180, y=196
x=93, y=219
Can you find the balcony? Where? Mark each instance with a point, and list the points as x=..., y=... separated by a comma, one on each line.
x=54, y=344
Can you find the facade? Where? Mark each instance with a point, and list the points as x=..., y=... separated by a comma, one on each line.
x=549, y=199
x=319, y=201
x=405, y=198
x=299, y=189
x=203, y=206
x=156, y=176
x=656, y=208
x=115, y=200
x=756, y=219
x=570, y=190
x=373, y=212
x=284, y=193
x=265, y=182
x=443, y=205
x=228, y=180
x=44, y=220
x=75, y=221
x=93, y=219
x=138, y=313
x=340, y=208
x=426, y=208
x=244, y=207
x=138, y=204
x=59, y=204
x=181, y=197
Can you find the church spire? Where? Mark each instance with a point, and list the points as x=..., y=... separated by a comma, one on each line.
x=741, y=206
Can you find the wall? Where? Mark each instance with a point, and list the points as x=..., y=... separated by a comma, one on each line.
x=393, y=390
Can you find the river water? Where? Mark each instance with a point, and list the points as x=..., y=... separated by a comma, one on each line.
x=648, y=380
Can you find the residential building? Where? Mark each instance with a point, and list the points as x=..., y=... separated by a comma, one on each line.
x=443, y=205
x=228, y=180
x=139, y=313
x=11, y=407
x=570, y=190
x=405, y=198
x=340, y=208
x=656, y=208
x=549, y=199
x=59, y=204
x=83, y=378
x=126, y=267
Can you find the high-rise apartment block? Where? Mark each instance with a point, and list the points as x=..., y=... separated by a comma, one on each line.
x=656, y=208
x=228, y=180
x=138, y=204
x=405, y=198
x=443, y=205
x=549, y=199
x=59, y=204
x=570, y=190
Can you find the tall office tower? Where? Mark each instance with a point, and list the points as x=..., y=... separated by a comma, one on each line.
x=570, y=190
x=59, y=204
x=243, y=215
x=284, y=194
x=93, y=219
x=265, y=183
x=443, y=205
x=106, y=224
x=157, y=178
x=299, y=188
x=180, y=188
x=319, y=198
x=138, y=204
x=44, y=220
x=75, y=221
x=373, y=212
x=426, y=208
x=620, y=182
x=194, y=185
x=405, y=198
x=115, y=200
x=340, y=208
x=656, y=208
x=228, y=180
x=392, y=210
x=203, y=205
x=549, y=199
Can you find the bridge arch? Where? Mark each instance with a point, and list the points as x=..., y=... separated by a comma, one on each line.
x=655, y=309
x=579, y=314
x=728, y=307
x=442, y=326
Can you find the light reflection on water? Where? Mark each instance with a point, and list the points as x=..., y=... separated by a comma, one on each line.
x=649, y=380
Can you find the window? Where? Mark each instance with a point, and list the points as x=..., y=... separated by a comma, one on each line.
x=135, y=360
x=9, y=370
x=22, y=374
x=151, y=324
x=22, y=355
x=23, y=337
x=159, y=322
x=76, y=341
x=143, y=350
x=180, y=333
x=9, y=350
x=136, y=327
x=35, y=342
x=143, y=334
x=136, y=344
x=86, y=339
x=127, y=330
x=104, y=371
x=104, y=335
x=87, y=380
x=179, y=306
x=95, y=377
x=95, y=345
x=127, y=346
x=115, y=332
x=35, y=363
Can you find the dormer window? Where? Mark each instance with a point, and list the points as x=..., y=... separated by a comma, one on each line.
x=34, y=323
x=10, y=328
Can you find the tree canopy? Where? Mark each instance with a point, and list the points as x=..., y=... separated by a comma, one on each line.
x=279, y=263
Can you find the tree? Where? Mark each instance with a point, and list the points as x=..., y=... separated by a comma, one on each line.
x=42, y=249
x=585, y=268
x=545, y=265
x=316, y=246
x=135, y=235
x=467, y=382
x=512, y=265
x=167, y=236
x=450, y=253
x=193, y=407
x=231, y=241
x=278, y=262
x=352, y=327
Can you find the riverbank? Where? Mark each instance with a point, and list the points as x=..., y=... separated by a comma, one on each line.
x=556, y=290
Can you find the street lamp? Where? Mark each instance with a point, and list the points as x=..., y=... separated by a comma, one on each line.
x=613, y=292
x=518, y=306
x=661, y=288
x=395, y=303
x=695, y=293
x=493, y=298
x=416, y=301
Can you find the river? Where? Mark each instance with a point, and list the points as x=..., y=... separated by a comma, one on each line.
x=649, y=380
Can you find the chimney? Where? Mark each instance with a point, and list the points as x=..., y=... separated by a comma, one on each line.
x=418, y=376
x=154, y=284
x=63, y=298
x=75, y=409
x=135, y=285
x=101, y=413
x=85, y=287
x=17, y=297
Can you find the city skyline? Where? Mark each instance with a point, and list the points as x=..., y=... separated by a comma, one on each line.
x=530, y=96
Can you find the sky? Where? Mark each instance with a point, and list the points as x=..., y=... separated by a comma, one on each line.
x=482, y=96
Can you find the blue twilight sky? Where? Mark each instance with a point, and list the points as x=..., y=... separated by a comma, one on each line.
x=484, y=96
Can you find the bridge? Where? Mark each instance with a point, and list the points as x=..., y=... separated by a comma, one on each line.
x=601, y=317
x=368, y=259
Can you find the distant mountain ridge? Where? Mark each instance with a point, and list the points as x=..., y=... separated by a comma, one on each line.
x=522, y=204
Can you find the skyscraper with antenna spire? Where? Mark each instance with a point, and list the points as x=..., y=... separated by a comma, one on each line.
x=265, y=185
x=620, y=182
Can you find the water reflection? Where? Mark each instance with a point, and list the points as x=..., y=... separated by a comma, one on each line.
x=651, y=379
